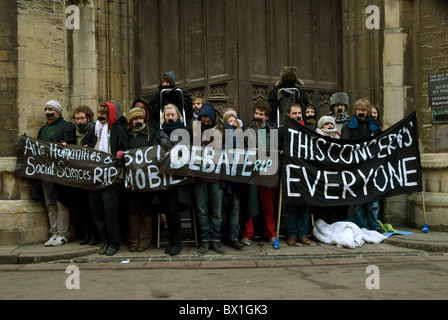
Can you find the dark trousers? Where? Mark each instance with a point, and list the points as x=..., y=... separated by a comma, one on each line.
x=105, y=206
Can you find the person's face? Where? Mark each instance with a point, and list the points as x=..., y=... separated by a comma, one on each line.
x=102, y=116
x=261, y=115
x=232, y=121
x=328, y=125
x=138, y=122
x=165, y=83
x=80, y=118
x=361, y=114
x=374, y=113
x=339, y=109
x=295, y=113
x=171, y=115
x=51, y=114
x=197, y=104
x=206, y=120
x=309, y=112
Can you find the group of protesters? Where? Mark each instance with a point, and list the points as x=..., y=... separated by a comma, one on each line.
x=229, y=212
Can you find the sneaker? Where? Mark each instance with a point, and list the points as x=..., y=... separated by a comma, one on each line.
x=50, y=241
x=272, y=240
x=204, y=247
x=58, y=241
x=217, y=246
x=245, y=241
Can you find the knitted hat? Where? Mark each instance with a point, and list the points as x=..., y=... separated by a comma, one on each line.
x=136, y=113
x=55, y=104
x=325, y=119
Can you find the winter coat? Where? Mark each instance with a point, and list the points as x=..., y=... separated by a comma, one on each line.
x=58, y=130
x=359, y=129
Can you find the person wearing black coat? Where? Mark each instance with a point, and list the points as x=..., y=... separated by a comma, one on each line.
x=169, y=93
x=176, y=200
x=110, y=137
x=85, y=132
x=56, y=130
x=141, y=218
x=362, y=126
x=288, y=79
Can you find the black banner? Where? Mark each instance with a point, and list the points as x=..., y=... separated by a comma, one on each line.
x=248, y=166
x=321, y=171
x=142, y=174
x=72, y=165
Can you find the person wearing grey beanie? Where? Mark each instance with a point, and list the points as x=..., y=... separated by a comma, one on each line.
x=56, y=130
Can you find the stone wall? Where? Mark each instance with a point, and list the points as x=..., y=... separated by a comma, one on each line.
x=42, y=59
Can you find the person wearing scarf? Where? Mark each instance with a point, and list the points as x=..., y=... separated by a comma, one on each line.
x=326, y=126
x=110, y=137
x=176, y=200
x=361, y=126
x=141, y=217
x=56, y=130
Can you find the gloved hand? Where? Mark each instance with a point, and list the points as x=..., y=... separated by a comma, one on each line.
x=119, y=155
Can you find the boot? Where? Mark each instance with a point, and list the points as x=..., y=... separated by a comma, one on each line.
x=205, y=244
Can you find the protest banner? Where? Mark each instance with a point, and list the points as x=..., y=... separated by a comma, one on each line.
x=249, y=166
x=72, y=165
x=321, y=171
x=142, y=174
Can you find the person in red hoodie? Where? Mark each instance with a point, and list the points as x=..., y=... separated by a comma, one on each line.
x=110, y=137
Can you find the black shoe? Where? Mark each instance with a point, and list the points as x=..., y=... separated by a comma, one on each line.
x=84, y=241
x=217, y=246
x=111, y=251
x=103, y=249
x=204, y=247
x=94, y=241
x=236, y=244
x=176, y=249
x=168, y=249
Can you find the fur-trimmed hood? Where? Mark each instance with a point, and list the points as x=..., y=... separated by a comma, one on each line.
x=289, y=73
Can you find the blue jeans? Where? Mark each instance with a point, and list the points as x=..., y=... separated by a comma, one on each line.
x=297, y=221
x=209, y=197
x=235, y=218
x=366, y=215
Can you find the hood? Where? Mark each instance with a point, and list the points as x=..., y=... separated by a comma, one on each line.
x=171, y=75
x=207, y=110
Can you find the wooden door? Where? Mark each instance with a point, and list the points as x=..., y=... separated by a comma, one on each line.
x=232, y=51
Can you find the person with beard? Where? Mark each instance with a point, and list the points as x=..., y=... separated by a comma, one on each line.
x=56, y=130
x=260, y=138
x=209, y=194
x=85, y=132
x=361, y=126
x=339, y=103
x=310, y=116
x=297, y=218
x=140, y=135
x=198, y=102
x=110, y=137
x=169, y=93
x=176, y=200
